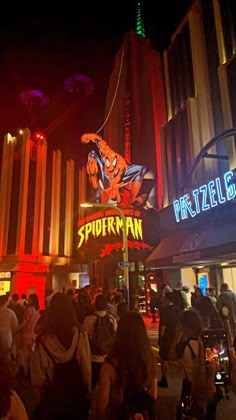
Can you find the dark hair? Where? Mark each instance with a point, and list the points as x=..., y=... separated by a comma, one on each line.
x=101, y=302
x=209, y=314
x=116, y=297
x=170, y=296
x=70, y=292
x=61, y=318
x=15, y=297
x=132, y=352
x=122, y=308
x=23, y=296
x=191, y=322
x=3, y=300
x=198, y=289
x=34, y=300
x=6, y=386
x=224, y=287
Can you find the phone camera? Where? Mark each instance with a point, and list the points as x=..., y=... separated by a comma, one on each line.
x=218, y=376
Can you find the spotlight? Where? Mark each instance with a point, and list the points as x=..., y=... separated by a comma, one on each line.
x=39, y=136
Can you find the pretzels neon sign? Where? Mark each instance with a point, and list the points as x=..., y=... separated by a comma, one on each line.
x=213, y=194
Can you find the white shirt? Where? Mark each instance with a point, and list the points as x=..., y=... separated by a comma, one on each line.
x=8, y=326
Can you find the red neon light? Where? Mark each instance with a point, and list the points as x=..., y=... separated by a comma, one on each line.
x=118, y=246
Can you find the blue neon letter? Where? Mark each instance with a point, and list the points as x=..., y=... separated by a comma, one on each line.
x=188, y=206
x=176, y=209
x=229, y=185
x=203, y=190
x=196, y=200
x=212, y=193
x=221, y=198
x=183, y=210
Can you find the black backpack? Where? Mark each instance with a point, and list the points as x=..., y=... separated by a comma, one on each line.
x=178, y=299
x=103, y=335
x=67, y=397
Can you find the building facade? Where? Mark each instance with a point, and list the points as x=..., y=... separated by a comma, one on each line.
x=39, y=206
x=197, y=220
x=135, y=110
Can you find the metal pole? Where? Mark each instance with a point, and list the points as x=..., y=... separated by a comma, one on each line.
x=125, y=240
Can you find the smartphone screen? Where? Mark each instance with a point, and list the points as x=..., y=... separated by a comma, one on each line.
x=216, y=348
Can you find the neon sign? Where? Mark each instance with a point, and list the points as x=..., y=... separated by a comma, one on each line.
x=206, y=197
x=110, y=225
x=5, y=274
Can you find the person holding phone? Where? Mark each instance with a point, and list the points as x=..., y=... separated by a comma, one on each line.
x=226, y=406
x=198, y=386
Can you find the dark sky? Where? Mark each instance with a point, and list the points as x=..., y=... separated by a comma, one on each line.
x=42, y=45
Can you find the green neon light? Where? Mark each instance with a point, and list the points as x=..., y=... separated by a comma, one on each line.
x=140, y=30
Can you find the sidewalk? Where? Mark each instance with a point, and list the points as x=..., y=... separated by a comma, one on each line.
x=167, y=397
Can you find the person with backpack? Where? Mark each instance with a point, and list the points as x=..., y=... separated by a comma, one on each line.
x=128, y=378
x=101, y=328
x=61, y=364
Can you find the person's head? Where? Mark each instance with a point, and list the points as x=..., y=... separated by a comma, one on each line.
x=132, y=350
x=198, y=292
x=48, y=292
x=191, y=323
x=15, y=298
x=206, y=307
x=224, y=287
x=117, y=297
x=92, y=292
x=169, y=297
x=179, y=285
x=3, y=300
x=211, y=291
x=70, y=292
x=61, y=318
x=122, y=309
x=23, y=296
x=83, y=298
x=167, y=289
x=34, y=301
x=101, y=302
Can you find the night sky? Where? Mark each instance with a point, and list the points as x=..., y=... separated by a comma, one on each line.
x=41, y=46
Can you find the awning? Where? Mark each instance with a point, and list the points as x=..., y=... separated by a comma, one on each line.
x=208, y=244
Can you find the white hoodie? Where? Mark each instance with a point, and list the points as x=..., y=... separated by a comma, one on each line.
x=42, y=363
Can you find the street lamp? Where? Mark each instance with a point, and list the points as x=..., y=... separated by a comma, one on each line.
x=125, y=241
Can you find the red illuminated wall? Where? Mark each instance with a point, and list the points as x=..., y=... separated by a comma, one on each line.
x=139, y=109
x=28, y=283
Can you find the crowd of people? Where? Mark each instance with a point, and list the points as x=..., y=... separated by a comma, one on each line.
x=89, y=356
x=58, y=350
x=185, y=320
